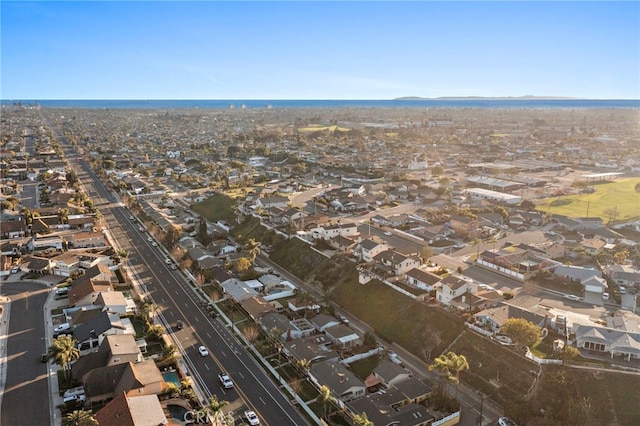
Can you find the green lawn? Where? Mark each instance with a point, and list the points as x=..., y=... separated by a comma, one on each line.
x=618, y=194
x=216, y=207
x=398, y=318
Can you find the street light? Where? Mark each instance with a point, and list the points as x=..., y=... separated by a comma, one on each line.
x=482, y=398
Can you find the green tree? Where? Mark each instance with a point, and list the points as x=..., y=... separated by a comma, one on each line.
x=63, y=351
x=361, y=420
x=253, y=249
x=527, y=205
x=215, y=406
x=451, y=364
x=524, y=333
x=79, y=418
x=325, y=398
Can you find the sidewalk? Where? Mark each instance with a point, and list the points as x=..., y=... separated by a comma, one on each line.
x=5, y=306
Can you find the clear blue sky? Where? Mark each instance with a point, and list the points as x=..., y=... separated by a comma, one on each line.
x=318, y=50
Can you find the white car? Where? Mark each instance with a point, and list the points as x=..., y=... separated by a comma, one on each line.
x=225, y=380
x=62, y=327
x=605, y=296
x=251, y=417
x=154, y=244
x=623, y=290
x=506, y=421
x=387, y=233
x=572, y=297
x=203, y=351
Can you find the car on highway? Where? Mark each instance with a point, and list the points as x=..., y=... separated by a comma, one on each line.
x=251, y=417
x=387, y=233
x=203, y=351
x=149, y=239
x=225, y=380
x=154, y=244
x=131, y=217
x=180, y=326
x=572, y=297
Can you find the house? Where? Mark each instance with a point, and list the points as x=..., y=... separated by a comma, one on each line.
x=342, y=244
x=276, y=324
x=494, y=318
x=88, y=239
x=343, y=337
x=133, y=379
x=40, y=265
x=13, y=229
x=266, y=202
x=46, y=243
x=314, y=349
x=323, y=322
x=90, y=334
x=575, y=273
x=396, y=263
x=617, y=343
x=114, y=349
x=594, y=288
x=256, y=307
x=367, y=249
x=424, y=280
x=238, y=290
x=465, y=226
x=592, y=246
x=388, y=408
x=389, y=373
x=115, y=302
x=66, y=264
x=344, y=385
x=624, y=275
x=123, y=410
x=85, y=289
x=451, y=287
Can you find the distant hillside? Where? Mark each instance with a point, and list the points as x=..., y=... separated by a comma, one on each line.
x=480, y=98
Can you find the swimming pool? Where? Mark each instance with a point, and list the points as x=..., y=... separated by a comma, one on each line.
x=172, y=377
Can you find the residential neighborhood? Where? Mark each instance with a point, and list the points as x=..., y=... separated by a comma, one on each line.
x=353, y=255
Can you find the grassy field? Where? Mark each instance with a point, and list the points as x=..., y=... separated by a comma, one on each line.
x=398, y=318
x=571, y=396
x=320, y=128
x=489, y=361
x=618, y=193
x=217, y=207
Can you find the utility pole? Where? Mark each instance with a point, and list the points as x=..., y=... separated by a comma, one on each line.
x=588, y=203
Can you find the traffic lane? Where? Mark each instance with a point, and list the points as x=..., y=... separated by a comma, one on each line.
x=26, y=384
x=252, y=384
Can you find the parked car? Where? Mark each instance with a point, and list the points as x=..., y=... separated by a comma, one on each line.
x=572, y=297
x=623, y=290
x=62, y=327
x=605, y=296
x=251, y=417
x=506, y=421
x=225, y=380
x=62, y=291
x=180, y=325
x=15, y=269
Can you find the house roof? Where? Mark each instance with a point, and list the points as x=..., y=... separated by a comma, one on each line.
x=423, y=276
x=144, y=410
x=313, y=348
x=388, y=370
x=336, y=377
x=114, y=379
x=96, y=326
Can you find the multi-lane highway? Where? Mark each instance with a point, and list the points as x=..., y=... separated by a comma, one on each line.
x=176, y=300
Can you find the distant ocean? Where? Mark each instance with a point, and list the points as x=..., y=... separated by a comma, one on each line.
x=283, y=104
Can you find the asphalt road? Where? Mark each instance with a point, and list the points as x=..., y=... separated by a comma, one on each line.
x=176, y=300
x=26, y=390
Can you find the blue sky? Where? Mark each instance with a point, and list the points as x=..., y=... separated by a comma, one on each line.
x=318, y=50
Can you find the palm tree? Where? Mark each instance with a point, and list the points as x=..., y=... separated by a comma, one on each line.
x=325, y=397
x=214, y=408
x=304, y=365
x=64, y=352
x=361, y=420
x=451, y=364
x=79, y=418
x=476, y=243
x=253, y=249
